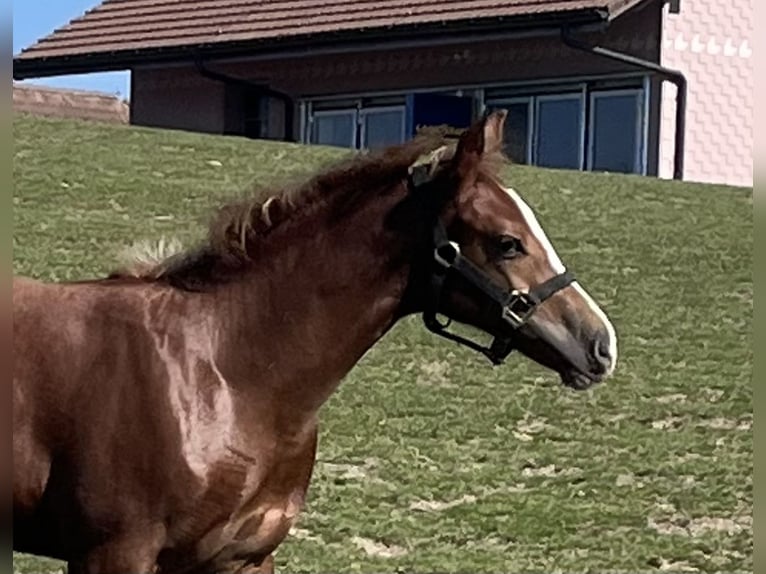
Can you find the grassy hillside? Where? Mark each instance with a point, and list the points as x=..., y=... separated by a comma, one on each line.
x=429, y=459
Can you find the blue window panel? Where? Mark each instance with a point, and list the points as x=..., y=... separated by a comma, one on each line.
x=382, y=128
x=616, y=132
x=334, y=129
x=559, y=132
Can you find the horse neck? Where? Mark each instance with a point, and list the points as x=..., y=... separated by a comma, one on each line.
x=295, y=325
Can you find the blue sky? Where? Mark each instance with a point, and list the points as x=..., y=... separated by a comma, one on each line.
x=33, y=19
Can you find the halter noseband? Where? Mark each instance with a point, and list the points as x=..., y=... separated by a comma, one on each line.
x=515, y=307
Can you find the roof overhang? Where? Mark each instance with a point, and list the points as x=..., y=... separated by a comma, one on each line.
x=437, y=33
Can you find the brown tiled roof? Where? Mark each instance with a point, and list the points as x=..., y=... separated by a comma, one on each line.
x=121, y=26
x=65, y=103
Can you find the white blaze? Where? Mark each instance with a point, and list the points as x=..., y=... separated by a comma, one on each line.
x=558, y=267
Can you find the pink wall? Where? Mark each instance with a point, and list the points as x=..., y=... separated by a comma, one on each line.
x=710, y=41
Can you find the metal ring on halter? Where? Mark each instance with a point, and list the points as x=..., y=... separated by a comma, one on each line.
x=441, y=260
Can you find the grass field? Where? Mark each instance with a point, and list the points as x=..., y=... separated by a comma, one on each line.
x=429, y=459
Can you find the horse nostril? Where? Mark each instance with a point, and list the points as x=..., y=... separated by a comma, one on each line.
x=602, y=353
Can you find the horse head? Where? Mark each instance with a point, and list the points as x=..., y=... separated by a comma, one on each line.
x=491, y=265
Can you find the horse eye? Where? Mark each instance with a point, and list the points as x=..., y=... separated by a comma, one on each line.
x=510, y=247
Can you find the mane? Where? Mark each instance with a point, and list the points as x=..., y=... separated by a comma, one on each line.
x=241, y=227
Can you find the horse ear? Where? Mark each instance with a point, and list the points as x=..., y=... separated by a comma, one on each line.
x=494, y=128
x=484, y=137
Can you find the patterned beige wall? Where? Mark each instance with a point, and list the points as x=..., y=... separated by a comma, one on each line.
x=710, y=41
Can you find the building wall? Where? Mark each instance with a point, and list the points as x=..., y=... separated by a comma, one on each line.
x=530, y=59
x=177, y=98
x=711, y=43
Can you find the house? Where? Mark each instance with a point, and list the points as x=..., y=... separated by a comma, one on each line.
x=65, y=103
x=654, y=87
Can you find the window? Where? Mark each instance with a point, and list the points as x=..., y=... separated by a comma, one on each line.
x=334, y=128
x=550, y=125
x=559, y=133
x=589, y=123
x=382, y=127
x=518, y=130
x=616, y=131
x=369, y=123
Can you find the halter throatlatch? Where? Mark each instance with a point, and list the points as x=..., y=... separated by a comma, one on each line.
x=514, y=307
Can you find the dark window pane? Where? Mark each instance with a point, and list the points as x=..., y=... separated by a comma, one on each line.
x=383, y=128
x=516, y=137
x=559, y=133
x=334, y=129
x=616, y=144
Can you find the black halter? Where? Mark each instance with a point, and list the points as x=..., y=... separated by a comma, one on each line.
x=515, y=307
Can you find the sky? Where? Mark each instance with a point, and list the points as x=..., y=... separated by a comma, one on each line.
x=33, y=19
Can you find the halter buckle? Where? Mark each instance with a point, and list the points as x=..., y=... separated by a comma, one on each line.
x=518, y=309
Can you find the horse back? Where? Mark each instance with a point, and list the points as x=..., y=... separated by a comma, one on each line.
x=68, y=336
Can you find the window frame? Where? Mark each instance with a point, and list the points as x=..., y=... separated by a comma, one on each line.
x=353, y=112
x=365, y=111
x=530, y=101
x=639, y=160
x=562, y=96
x=496, y=94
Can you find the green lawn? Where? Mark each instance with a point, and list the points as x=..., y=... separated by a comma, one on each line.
x=429, y=459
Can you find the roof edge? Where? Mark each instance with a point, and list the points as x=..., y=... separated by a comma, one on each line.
x=621, y=7
x=430, y=34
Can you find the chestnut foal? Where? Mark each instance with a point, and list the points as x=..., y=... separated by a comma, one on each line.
x=165, y=418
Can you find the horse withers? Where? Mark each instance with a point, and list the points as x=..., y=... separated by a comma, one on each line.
x=165, y=417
